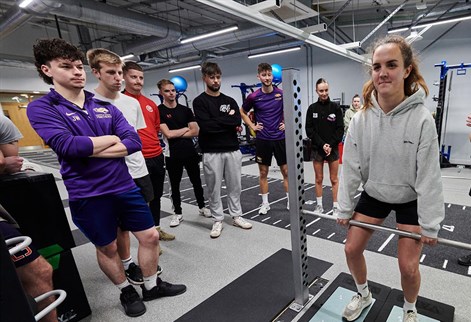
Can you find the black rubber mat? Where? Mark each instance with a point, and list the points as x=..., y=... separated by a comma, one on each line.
x=385, y=301
x=426, y=307
x=258, y=295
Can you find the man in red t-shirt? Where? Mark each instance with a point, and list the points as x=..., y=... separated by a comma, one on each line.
x=134, y=81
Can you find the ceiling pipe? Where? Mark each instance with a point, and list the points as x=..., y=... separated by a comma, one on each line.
x=383, y=22
x=125, y=20
x=209, y=43
x=12, y=20
x=246, y=13
x=16, y=17
x=339, y=12
x=198, y=59
x=95, y=13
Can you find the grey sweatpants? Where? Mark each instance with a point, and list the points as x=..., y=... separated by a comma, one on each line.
x=225, y=165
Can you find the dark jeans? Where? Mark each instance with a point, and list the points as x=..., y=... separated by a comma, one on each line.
x=156, y=168
x=175, y=171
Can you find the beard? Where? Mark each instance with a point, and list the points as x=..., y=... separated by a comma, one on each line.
x=214, y=88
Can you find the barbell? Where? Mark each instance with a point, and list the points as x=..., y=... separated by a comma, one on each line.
x=441, y=241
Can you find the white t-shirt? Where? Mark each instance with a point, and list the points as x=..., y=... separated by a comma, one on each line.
x=131, y=110
x=8, y=131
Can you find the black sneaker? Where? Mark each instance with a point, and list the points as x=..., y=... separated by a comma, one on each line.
x=465, y=260
x=134, y=274
x=131, y=301
x=161, y=290
x=159, y=270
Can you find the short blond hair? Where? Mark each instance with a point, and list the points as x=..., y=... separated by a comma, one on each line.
x=96, y=56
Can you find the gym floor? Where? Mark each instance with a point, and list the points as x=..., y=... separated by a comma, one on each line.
x=206, y=265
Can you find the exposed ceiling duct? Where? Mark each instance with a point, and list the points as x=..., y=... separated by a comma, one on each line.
x=95, y=12
x=205, y=44
x=152, y=29
x=199, y=59
x=15, y=17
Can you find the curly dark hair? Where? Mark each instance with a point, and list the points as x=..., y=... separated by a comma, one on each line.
x=264, y=67
x=46, y=50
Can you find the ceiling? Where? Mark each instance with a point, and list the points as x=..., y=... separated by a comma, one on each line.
x=152, y=29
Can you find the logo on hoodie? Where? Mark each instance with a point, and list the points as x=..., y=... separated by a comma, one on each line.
x=102, y=113
x=332, y=117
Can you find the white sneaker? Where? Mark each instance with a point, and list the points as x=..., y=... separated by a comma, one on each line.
x=264, y=207
x=241, y=222
x=319, y=209
x=357, y=304
x=216, y=230
x=410, y=316
x=205, y=212
x=176, y=220
x=335, y=212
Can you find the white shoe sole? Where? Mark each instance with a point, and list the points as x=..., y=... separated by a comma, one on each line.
x=353, y=318
x=175, y=224
x=260, y=212
x=215, y=236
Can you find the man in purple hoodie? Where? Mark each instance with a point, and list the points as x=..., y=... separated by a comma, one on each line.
x=91, y=139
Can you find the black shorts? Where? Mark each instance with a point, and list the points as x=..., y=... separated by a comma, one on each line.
x=145, y=184
x=406, y=213
x=265, y=149
x=23, y=257
x=320, y=156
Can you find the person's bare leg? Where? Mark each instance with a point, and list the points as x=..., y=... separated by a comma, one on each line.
x=319, y=176
x=124, y=244
x=334, y=178
x=357, y=239
x=110, y=263
x=408, y=254
x=36, y=278
x=263, y=180
x=284, y=173
x=148, y=254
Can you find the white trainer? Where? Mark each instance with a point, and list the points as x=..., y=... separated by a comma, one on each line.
x=216, y=230
x=241, y=222
x=176, y=220
x=205, y=212
x=319, y=209
x=410, y=316
x=357, y=304
x=264, y=207
x=335, y=212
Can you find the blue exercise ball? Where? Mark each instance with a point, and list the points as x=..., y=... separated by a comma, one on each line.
x=276, y=72
x=180, y=83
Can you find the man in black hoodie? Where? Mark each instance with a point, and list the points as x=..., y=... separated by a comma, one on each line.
x=218, y=117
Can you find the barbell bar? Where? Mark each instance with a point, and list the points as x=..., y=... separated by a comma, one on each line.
x=442, y=241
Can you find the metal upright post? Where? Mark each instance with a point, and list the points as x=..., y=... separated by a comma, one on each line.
x=294, y=154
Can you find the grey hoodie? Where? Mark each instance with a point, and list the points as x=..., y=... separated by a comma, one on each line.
x=396, y=157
